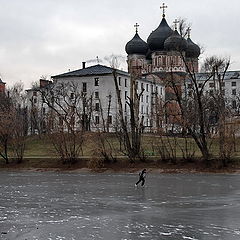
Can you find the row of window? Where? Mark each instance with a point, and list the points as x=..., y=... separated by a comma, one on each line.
x=97, y=119
x=211, y=84
x=148, y=88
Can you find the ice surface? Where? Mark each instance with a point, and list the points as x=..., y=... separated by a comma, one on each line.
x=107, y=206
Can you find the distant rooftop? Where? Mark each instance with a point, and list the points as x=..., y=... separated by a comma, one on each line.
x=228, y=76
x=92, y=70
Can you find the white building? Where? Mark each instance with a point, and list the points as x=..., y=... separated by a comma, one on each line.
x=230, y=87
x=96, y=85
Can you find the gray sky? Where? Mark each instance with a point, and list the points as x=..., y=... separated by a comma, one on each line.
x=49, y=37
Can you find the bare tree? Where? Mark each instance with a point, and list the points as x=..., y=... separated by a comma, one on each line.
x=218, y=67
x=19, y=120
x=6, y=122
x=131, y=138
x=69, y=117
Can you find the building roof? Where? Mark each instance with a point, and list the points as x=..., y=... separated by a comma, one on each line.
x=136, y=46
x=89, y=71
x=228, y=75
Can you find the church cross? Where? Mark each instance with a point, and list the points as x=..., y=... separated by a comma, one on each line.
x=163, y=8
x=189, y=31
x=175, y=23
x=136, y=26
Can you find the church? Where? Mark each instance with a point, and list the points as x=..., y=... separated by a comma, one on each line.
x=164, y=50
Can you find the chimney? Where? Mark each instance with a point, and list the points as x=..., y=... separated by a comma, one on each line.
x=83, y=65
x=44, y=83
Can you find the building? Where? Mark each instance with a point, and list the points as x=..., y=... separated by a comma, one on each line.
x=164, y=51
x=92, y=91
x=230, y=88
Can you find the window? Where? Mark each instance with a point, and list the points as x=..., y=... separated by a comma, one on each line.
x=147, y=109
x=72, y=96
x=147, y=99
x=142, y=86
x=211, y=85
x=211, y=92
x=234, y=104
x=34, y=93
x=96, y=82
x=200, y=85
x=125, y=82
x=97, y=107
x=142, y=109
x=147, y=87
x=96, y=119
x=125, y=94
x=44, y=110
x=190, y=85
x=110, y=119
x=142, y=98
x=234, y=92
x=84, y=87
x=161, y=90
x=34, y=100
x=119, y=81
x=97, y=95
x=234, y=84
x=156, y=90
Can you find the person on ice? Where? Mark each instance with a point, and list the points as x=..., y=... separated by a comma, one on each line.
x=142, y=176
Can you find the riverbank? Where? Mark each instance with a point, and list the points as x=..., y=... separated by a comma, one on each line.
x=121, y=166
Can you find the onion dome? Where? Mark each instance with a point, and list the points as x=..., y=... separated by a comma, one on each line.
x=175, y=42
x=193, y=50
x=136, y=46
x=157, y=38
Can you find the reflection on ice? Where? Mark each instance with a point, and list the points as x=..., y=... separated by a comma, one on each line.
x=105, y=206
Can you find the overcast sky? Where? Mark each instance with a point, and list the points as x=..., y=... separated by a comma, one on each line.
x=49, y=37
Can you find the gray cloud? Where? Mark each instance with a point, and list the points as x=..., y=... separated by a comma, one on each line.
x=51, y=36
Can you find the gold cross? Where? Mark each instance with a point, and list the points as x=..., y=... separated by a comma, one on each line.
x=136, y=26
x=175, y=23
x=189, y=31
x=163, y=7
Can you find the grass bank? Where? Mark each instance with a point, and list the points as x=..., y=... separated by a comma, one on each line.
x=40, y=154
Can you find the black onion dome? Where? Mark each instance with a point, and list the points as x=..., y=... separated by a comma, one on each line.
x=193, y=50
x=175, y=42
x=136, y=46
x=157, y=38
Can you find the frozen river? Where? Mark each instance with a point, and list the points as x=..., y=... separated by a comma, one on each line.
x=108, y=206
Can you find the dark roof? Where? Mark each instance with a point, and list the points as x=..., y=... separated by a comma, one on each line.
x=136, y=46
x=229, y=75
x=193, y=50
x=92, y=70
x=175, y=42
x=157, y=38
